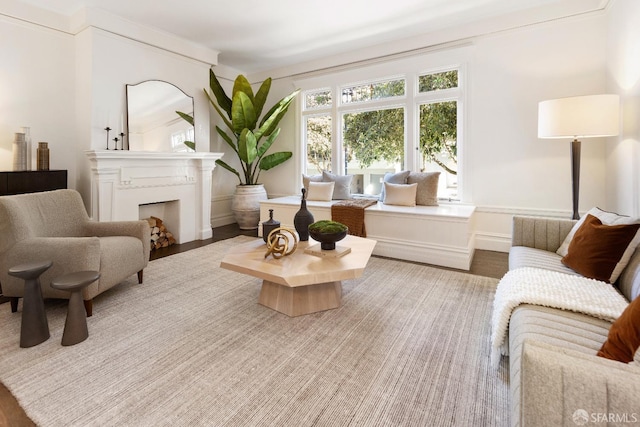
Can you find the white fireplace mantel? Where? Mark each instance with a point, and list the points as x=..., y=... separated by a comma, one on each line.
x=122, y=180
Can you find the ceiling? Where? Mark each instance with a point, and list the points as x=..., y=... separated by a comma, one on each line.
x=257, y=35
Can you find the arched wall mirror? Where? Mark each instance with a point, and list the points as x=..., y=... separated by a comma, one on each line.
x=152, y=121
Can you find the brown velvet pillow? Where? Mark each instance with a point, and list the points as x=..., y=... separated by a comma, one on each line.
x=624, y=335
x=596, y=249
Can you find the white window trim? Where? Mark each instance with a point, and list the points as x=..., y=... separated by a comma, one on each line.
x=410, y=102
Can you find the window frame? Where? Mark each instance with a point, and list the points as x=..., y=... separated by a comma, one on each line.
x=410, y=101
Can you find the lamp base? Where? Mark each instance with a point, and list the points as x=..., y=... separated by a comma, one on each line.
x=575, y=176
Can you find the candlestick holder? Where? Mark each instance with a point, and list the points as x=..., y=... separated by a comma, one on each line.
x=116, y=141
x=122, y=140
x=107, y=129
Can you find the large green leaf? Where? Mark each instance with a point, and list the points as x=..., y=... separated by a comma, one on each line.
x=191, y=145
x=247, y=146
x=273, y=160
x=243, y=113
x=272, y=118
x=186, y=117
x=229, y=168
x=268, y=142
x=241, y=84
x=224, y=118
x=227, y=138
x=261, y=96
x=223, y=100
x=284, y=102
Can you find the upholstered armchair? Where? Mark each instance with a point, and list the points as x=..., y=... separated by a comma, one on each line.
x=54, y=225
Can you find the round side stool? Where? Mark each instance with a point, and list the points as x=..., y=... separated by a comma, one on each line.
x=75, y=326
x=34, y=328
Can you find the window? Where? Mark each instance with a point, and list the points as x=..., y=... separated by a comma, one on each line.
x=372, y=91
x=178, y=139
x=373, y=145
x=318, y=137
x=369, y=128
x=318, y=99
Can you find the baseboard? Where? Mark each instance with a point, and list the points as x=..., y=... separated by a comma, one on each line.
x=452, y=257
x=221, y=220
x=493, y=242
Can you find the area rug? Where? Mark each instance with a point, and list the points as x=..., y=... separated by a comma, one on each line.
x=191, y=346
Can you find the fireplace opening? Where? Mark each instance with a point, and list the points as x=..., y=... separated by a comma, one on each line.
x=164, y=220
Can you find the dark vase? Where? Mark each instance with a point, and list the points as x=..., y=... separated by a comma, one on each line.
x=303, y=219
x=269, y=226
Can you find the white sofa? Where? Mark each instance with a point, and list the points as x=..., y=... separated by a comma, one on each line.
x=555, y=374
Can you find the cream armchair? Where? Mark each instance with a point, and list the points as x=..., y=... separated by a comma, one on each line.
x=54, y=225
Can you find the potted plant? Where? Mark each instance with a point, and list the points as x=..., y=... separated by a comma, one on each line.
x=250, y=138
x=328, y=233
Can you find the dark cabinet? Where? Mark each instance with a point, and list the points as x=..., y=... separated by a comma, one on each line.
x=20, y=182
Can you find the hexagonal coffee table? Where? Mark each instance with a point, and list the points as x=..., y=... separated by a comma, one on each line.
x=300, y=283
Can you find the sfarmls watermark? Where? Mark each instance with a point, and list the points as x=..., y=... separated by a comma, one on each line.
x=582, y=417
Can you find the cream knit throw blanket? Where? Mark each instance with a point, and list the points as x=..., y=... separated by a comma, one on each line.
x=551, y=289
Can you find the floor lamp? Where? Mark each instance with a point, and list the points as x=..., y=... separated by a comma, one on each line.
x=578, y=117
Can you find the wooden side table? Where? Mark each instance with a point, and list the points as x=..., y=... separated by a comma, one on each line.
x=34, y=328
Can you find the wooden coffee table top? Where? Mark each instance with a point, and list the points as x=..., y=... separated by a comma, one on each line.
x=300, y=269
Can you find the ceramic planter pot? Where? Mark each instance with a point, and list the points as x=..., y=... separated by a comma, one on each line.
x=246, y=205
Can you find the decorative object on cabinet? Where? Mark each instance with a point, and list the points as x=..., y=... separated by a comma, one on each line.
x=19, y=152
x=27, y=139
x=42, y=160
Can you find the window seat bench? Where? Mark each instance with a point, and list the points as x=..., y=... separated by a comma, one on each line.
x=439, y=235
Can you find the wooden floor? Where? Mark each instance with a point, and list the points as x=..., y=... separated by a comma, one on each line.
x=485, y=263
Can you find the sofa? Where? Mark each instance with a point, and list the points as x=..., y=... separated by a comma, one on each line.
x=54, y=225
x=556, y=378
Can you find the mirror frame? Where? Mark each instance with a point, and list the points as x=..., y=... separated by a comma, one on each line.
x=127, y=86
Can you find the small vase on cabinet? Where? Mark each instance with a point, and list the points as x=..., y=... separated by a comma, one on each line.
x=19, y=152
x=42, y=156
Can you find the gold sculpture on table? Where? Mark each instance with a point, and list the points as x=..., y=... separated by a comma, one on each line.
x=278, y=243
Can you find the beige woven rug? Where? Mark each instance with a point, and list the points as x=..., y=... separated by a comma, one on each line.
x=191, y=346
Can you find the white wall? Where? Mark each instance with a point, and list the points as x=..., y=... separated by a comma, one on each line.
x=623, y=72
x=512, y=171
x=37, y=90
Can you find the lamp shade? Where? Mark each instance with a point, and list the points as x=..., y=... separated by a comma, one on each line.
x=579, y=116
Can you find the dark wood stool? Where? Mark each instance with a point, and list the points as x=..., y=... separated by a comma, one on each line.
x=34, y=328
x=75, y=326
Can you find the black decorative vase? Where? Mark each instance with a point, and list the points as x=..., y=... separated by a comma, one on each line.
x=303, y=219
x=269, y=226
